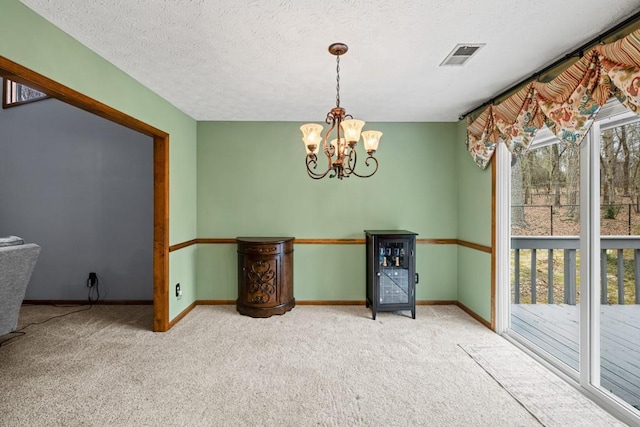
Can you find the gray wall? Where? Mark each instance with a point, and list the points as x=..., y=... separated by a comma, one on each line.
x=82, y=188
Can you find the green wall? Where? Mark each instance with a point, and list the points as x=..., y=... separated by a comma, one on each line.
x=252, y=181
x=30, y=40
x=474, y=281
x=474, y=225
x=231, y=179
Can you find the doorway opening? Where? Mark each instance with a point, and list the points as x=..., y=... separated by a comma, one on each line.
x=20, y=74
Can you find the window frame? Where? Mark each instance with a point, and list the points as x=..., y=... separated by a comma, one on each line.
x=9, y=90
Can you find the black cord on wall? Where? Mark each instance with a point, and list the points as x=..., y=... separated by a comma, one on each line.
x=93, y=283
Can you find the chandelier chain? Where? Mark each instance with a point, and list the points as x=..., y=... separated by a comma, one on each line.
x=337, y=80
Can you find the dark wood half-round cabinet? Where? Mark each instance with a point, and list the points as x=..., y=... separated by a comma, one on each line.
x=265, y=276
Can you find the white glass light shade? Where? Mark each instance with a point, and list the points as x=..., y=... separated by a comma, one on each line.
x=371, y=139
x=337, y=147
x=311, y=137
x=352, y=129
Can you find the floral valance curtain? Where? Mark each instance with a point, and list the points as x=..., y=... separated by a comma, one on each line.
x=567, y=105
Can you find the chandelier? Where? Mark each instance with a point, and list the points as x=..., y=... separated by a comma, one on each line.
x=339, y=149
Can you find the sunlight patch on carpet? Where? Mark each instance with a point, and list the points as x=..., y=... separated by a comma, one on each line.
x=546, y=396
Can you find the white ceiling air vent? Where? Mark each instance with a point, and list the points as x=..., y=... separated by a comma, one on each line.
x=461, y=54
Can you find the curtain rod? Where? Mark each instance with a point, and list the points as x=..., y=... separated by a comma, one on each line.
x=577, y=52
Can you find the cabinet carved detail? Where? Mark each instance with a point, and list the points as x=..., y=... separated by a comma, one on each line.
x=261, y=282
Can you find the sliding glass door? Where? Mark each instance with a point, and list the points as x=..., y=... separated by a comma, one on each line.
x=619, y=301
x=545, y=242
x=574, y=249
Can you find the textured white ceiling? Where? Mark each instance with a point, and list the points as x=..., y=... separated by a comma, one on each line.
x=267, y=60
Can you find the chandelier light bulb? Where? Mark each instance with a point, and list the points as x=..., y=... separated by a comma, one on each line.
x=352, y=129
x=371, y=139
x=311, y=137
x=338, y=147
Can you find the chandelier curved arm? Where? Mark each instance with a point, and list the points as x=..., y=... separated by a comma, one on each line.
x=337, y=115
x=367, y=161
x=351, y=159
x=312, y=163
x=332, y=117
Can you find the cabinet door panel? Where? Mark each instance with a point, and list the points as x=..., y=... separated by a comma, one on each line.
x=261, y=277
x=394, y=259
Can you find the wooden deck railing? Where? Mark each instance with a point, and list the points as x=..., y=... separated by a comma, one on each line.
x=571, y=245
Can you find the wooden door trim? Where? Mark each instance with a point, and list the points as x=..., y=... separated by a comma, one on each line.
x=21, y=74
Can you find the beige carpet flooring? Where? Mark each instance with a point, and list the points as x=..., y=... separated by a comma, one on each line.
x=314, y=366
